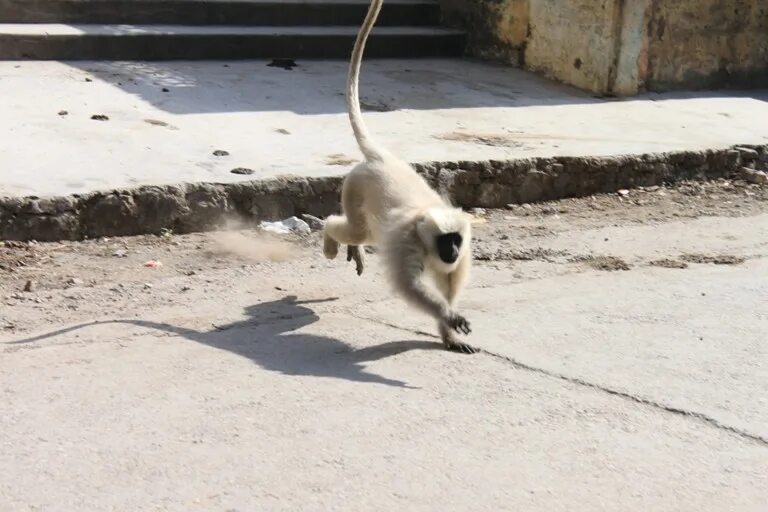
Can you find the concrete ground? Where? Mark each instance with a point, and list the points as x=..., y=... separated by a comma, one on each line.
x=165, y=120
x=624, y=367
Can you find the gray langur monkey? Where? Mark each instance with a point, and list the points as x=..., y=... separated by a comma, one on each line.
x=387, y=204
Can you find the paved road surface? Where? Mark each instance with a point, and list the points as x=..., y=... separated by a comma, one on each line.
x=220, y=383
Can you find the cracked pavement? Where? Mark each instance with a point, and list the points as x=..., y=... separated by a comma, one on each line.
x=220, y=382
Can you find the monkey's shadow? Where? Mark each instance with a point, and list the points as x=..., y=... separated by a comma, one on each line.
x=268, y=339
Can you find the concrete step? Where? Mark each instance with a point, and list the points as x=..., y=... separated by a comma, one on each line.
x=217, y=12
x=179, y=42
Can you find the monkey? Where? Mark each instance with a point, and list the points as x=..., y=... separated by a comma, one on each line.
x=387, y=204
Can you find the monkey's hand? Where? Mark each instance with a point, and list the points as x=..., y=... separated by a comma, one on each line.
x=353, y=253
x=458, y=323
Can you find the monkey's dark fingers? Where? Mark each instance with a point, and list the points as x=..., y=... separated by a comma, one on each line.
x=462, y=348
x=462, y=326
x=353, y=253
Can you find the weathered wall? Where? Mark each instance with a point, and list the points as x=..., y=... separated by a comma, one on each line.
x=622, y=46
x=572, y=41
x=707, y=43
x=496, y=29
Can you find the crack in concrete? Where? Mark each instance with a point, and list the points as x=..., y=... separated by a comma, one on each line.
x=703, y=418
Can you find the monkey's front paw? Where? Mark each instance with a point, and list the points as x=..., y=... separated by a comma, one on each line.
x=353, y=253
x=458, y=323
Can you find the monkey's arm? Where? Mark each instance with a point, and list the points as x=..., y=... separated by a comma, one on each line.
x=458, y=278
x=408, y=270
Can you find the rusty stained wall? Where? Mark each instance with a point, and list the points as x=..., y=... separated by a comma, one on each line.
x=622, y=47
x=707, y=43
x=573, y=41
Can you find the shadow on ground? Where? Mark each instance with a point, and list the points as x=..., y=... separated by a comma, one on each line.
x=268, y=339
x=317, y=87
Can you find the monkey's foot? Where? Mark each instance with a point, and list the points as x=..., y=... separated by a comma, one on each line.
x=464, y=348
x=354, y=253
x=330, y=247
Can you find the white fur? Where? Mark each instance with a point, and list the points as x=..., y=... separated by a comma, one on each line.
x=387, y=204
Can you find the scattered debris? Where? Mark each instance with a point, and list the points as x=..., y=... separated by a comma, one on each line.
x=754, y=177
x=315, y=223
x=243, y=171
x=284, y=227
x=287, y=64
x=604, y=263
x=100, y=117
x=486, y=139
x=63, y=113
x=120, y=253
x=722, y=259
x=220, y=152
x=669, y=263
x=339, y=159
x=375, y=107
x=88, y=79
x=29, y=286
x=153, y=264
x=536, y=254
x=147, y=286
x=156, y=122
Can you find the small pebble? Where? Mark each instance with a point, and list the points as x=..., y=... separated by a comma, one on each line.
x=220, y=152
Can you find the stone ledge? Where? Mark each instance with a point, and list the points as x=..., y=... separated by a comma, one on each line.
x=491, y=184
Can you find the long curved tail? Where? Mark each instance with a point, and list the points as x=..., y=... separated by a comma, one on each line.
x=368, y=148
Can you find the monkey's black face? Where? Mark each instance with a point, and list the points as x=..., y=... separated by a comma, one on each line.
x=448, y=247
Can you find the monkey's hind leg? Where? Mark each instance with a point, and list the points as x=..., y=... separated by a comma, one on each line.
x=355, y=253
x=343, y=230
x=350, y=229
x=330, y=245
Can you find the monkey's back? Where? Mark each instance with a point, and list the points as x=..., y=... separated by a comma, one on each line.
x=385, y=188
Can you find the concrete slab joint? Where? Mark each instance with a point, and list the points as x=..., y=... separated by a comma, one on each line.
x=491, y=184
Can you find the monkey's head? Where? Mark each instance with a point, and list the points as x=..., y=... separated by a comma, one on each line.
x=446, y=234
